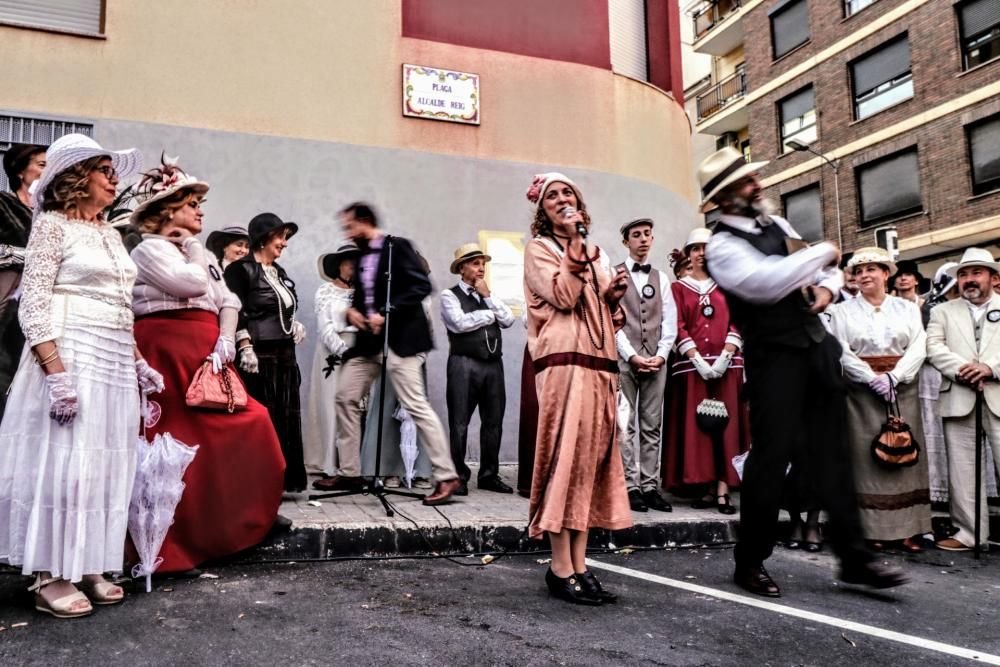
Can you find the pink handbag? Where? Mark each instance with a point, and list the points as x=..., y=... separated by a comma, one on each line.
x=211, y=391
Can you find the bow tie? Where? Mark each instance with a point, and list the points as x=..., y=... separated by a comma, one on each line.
x=645, y=268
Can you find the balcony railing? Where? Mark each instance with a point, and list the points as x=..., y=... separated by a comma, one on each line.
x=708, y=14
x=722, y=94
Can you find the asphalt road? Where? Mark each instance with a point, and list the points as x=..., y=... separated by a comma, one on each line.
x=409, y=612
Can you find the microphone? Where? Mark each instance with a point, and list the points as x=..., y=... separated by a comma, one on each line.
x=581, y=229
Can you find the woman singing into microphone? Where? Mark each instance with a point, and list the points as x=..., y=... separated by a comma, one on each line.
x=572, y=297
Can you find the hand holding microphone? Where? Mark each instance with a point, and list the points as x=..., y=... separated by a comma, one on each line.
x=571, y=214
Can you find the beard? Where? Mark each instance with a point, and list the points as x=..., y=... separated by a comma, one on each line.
x=755, y=207
x=972, y=291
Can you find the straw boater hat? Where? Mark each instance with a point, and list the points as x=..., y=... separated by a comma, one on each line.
x=871, y=256
x=722, y=168
x=160, y=182
x=466, y=252
x=71, y=149
x=329, y=263
x=697, y=235
x=975, y=257
x=624, y=229
x=542, y=182
x=220, y=238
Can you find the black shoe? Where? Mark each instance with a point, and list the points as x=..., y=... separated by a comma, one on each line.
x=593, y=588
x=703, y=503
x=339, y=483
x=726, y=506
x=494, y=484
x=463, y=490
x=655, y=501
x=872, y=574
x=636, y=502
x=569, y=589
x=756, y=580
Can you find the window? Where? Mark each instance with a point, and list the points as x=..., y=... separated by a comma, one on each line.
x=889, y=187
x=789, y=26
x=84, y=16
x=852, y=7
x=979, y=21
x=882, y=78
x=804, y=209
x=627, y=25
x=17, y=130
x=797, y=115
x=984, y=154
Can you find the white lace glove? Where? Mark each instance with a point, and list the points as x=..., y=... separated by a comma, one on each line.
x=62, y=398
x=704, y=370
x=150, y=381
x=883, y=385
x=298, y=332
x=248, y=359
x=224, y=353
x=721, y=364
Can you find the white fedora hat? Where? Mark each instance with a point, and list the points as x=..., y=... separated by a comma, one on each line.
x=975, y=257
x=721, y=168
x=871, y=255
x=70, y=149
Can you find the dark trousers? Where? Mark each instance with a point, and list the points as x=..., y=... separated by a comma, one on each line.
x=472, y=384
x=798, y=411
x=11, y=344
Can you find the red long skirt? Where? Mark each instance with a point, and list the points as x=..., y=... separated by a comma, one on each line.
x=688, y=453
x=234, y=485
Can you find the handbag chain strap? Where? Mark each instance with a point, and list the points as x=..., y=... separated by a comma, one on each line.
x=227, y=386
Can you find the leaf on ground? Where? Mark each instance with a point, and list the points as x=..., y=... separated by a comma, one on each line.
x=241, y=616
x=208, y=575
x=487, y=559
x=18, y=625
x=626, y=551
x=848, y=639
x=315, y=503
x=543, y=561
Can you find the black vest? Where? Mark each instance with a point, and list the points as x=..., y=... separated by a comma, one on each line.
x=787, y=322
x=484, y=343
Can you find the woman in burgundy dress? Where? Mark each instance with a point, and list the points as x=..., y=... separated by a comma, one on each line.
x=185, y=314
x=706, y=364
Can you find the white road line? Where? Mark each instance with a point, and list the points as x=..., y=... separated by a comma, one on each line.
x=920, y=642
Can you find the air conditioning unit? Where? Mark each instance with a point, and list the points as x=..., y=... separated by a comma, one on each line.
x=727, y=139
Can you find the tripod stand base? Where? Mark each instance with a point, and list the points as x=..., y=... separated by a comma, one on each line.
x=375, y=488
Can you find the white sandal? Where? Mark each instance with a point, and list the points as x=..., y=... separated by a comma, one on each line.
x=62, y=607
x=99, y=592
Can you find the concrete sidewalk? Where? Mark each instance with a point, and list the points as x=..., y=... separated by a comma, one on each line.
x=481, y=521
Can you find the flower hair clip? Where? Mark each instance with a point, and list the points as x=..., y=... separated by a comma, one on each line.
x=534, y=192
x=164, y=177
x=677, y=257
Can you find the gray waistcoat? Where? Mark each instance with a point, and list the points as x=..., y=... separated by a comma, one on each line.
x=645, y=314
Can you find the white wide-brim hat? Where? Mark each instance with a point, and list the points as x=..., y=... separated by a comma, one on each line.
x=698, y=235
x=721, y=168
x=975, y=257
x=71, y=149
x=872, y=255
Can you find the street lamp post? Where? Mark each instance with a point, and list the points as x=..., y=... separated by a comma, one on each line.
x=835, y=165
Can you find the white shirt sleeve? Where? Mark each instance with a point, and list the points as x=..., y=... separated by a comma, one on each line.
x=855, y=369
x=668, y=321
x=744, y=271
x=504, y=317
x=916, y=350
x=625, y=349
x=162, y=265
x=458, y=321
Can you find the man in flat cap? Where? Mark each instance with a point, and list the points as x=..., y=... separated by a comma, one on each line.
x=474, y=319
x=643, y=345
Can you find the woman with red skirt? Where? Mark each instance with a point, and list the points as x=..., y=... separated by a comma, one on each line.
x=706, y=364
x=185, y=316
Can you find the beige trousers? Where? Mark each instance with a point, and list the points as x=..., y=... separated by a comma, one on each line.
x=641, y=456
x=407, y=377
x=960, y=439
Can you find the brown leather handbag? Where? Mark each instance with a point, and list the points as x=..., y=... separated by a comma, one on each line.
x=221, y=391
x=895, y=447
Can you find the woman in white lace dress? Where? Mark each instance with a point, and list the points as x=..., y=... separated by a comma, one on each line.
x=67, y=442
x=332, y=300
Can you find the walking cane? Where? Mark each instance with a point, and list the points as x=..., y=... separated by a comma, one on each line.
x=979, y=470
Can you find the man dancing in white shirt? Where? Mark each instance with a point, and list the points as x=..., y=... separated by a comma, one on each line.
x=475, y=367
x=776, y=287
x=643, y=345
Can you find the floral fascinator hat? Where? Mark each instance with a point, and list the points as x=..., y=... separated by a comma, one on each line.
x=161, y=182
x=541, y=183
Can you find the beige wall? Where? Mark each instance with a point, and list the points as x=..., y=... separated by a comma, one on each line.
x=331, y=70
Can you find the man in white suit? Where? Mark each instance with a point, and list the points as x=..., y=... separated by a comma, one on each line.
x=963, y=342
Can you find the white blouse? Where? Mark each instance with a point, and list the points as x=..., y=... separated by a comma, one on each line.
x=76, y=273
x=892, y=329
x=331, y=307
x=171, y=278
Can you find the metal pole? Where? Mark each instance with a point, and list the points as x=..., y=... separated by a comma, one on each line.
x=979, y=471
x=836, y=196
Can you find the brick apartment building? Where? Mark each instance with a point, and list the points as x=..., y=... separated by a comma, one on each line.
x=894, y=106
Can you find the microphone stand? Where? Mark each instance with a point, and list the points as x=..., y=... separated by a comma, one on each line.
x=376, y=487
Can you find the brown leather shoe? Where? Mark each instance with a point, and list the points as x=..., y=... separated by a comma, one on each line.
x=756, y=580
x=443, y=491
x=872, y=574
x=951, y=544
x=338, y=483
